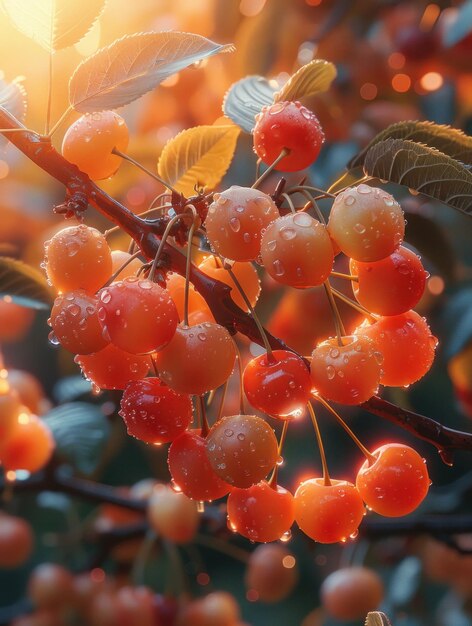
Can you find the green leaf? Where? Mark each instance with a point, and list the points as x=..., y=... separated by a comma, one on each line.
x=133, y=65
x=198, y=156
x=71, y=388
x=13, y=98
x=309, y=80
x=80, y=431
x=24, y=284
x=246, y=98
x=53, y=24
x=422, y=169
x=446, y=139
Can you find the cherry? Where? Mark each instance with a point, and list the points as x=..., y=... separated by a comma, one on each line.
x=191, y=470
x=390, y=286
x=242, y=449
x=112, y=368
x=89, y=142
x=261, y=512
x=16, y=541
x=10, y=408
x=198, y=309
x=29, y=446
x=128, y=606
x=197, y=359
x=328, y=513
x=288, y=125
x=86, y=587
x=138, y=315
x=172, y=515
x=29, y=390
x=78, y=257
x=40, y=618
x=166, y=610
x=296, y=250
x=50, y=586
x=235, y=221
x=271, y=572
x=396, y=483
x=351, y=592
x=75, y=323
x=119, y=258
x=245, y=273
x=15, y=321
x=278, y=384
x=218, y=608
x=367, y=223
x=348, y=374
x=406, y=344
x=154, y=413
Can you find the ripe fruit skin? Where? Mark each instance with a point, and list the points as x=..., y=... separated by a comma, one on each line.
x=348, y=374
x=218, y=608
x=406, y=344
x=29, y=446
x=245, y=274
x=288, y=125
x=30, y=391
x=118, y=258
x=138, y=315
x=198, y=310
x=15, y=321
x=279, y=386
x=396, y=483
x=89, y=141
x=296, y=250
x=351, y=592
x=197, y=359
x=112, y=368
x=10, y=408
x=16, y=541
x=50, y=586
x=172, y=514
x=391, y=286
x=235, y=221
x=191, y=470
x=242, y=449
x=272, y=572
x=75, y=323
x=367, y=223
x=154, y=413
x=328, y=513
x=261, y=513
x=78, y=257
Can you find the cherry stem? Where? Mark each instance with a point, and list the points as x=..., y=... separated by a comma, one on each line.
x=354, y=304
x=264, y=175
x=162, y=243
x=313, y=203
x=121, y=268
x=59, y=122
x=222, y=400
x=126, y=157
x=289, y=202
x=369, y=456
x=354, y=279
x=283, y=435
x=258, y=168
x=203, y=417
x=240, y=371
x=326, y=477
x=254, y=316
x=154, y=365
x=301, y=188
x=188, y=263
x=338, y=323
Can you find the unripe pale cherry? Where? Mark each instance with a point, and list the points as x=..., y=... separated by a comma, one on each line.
x=153, y=412
x=348, y=373
x=89, y=141
x=235, y=221
x=197, y=359
x=75, y=323
x=138, y=315
x=296, y=250
x=367, y=223
x=390, y=286
x=172, y=515
x=242, y=449
x=112, y=368
x=245, y=273
x=271, y=572
x=288, y=125
x=78, y=257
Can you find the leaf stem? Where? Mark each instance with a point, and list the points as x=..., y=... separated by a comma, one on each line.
x=326, y=476
x=126, y=157
x=264, y=175
x=49, y=104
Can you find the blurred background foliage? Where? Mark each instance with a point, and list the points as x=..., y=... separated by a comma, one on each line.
x=396, y=61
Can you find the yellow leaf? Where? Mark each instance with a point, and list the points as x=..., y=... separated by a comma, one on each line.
x=309, y=80
x=53, y=24
x=198, y=156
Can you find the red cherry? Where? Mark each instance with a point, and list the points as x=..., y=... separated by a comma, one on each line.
x=288, y=125
x=396, y=483
x=328, y=513
x=279, y=384
x=50, y=586
x=153, y=412
x=261, y=512
x=172, y=515
x=390, y=286
x=29, y=446
x=112, y=368
x=138, y=315
x=16, y=541
x=271, y=572
x=191, y=470
x=351, y=592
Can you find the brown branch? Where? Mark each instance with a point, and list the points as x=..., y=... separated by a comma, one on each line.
x=82, y=191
